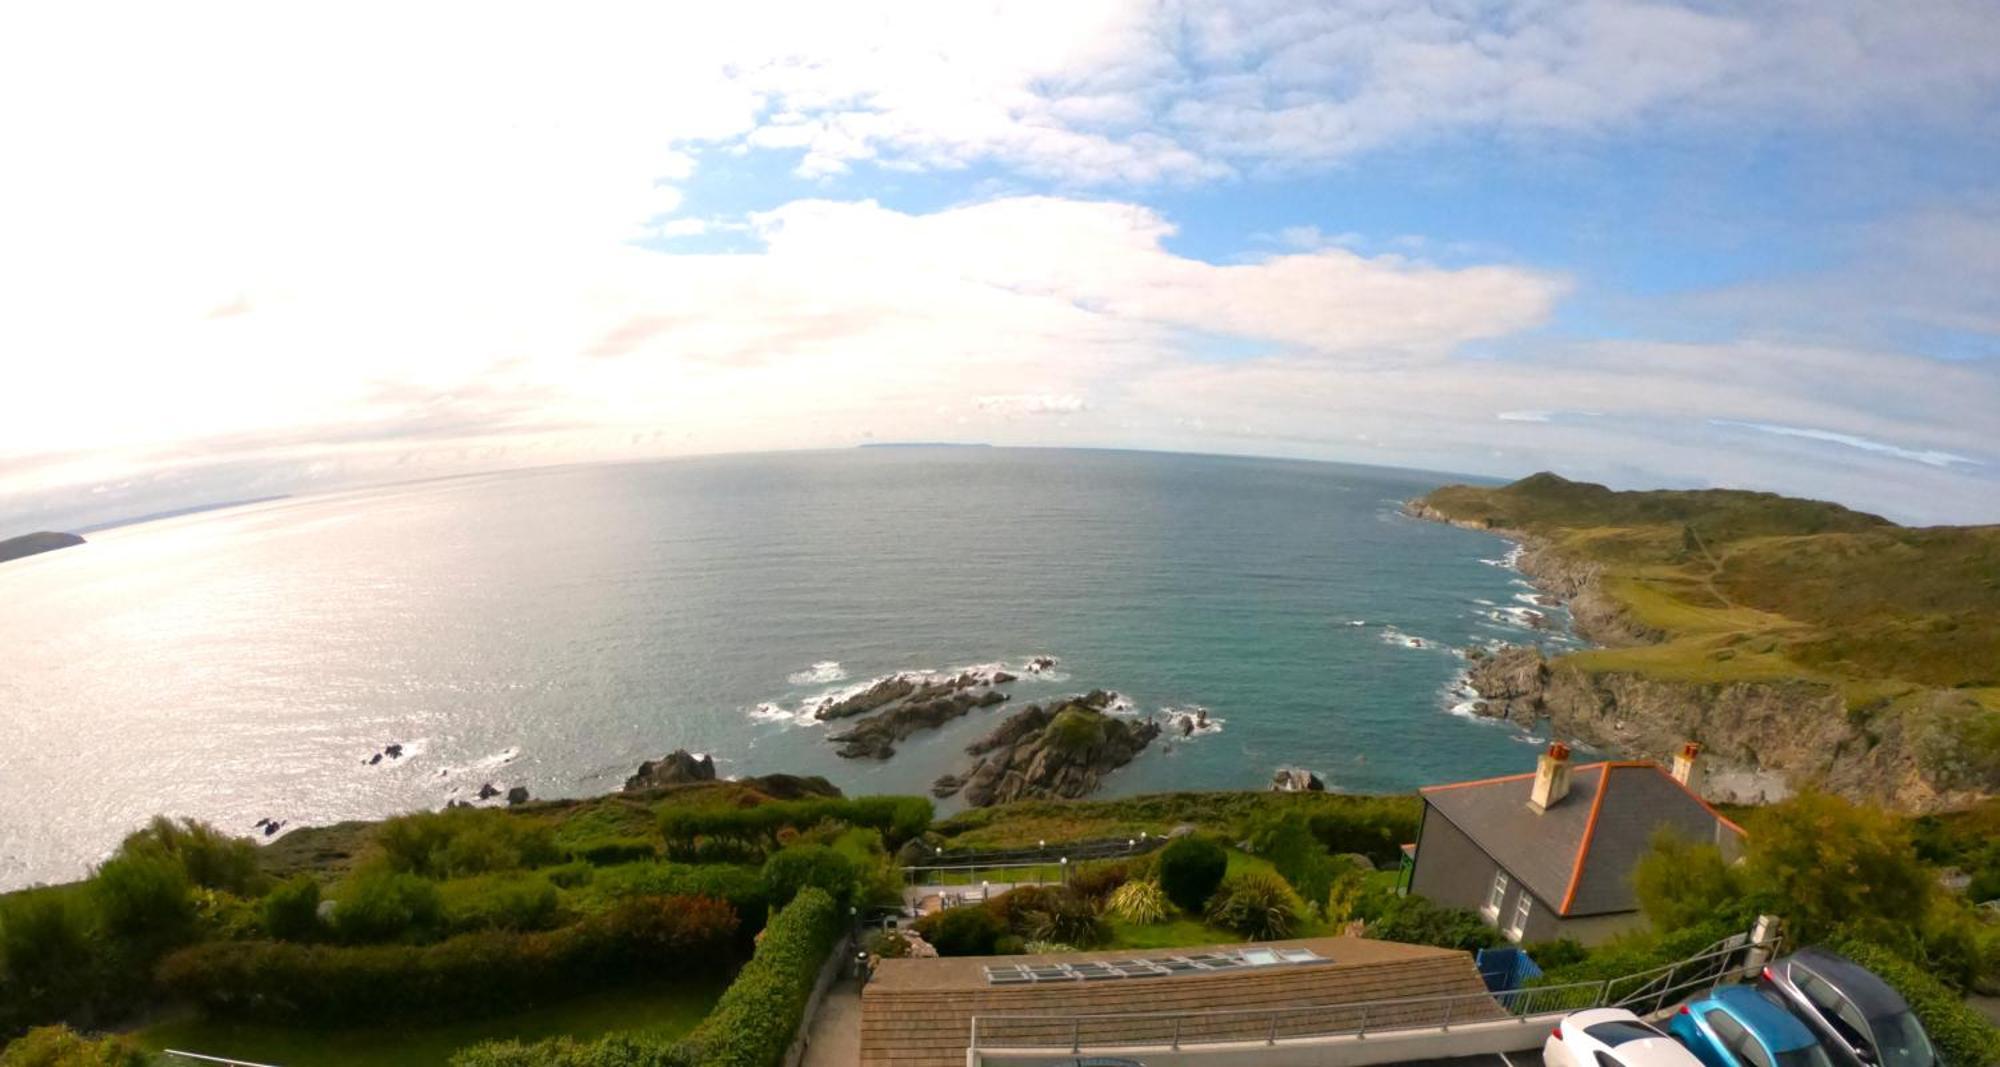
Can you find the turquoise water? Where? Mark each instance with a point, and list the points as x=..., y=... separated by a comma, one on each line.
x=553, y=628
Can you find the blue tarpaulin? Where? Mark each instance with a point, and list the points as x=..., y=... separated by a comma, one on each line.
x=1505, y=968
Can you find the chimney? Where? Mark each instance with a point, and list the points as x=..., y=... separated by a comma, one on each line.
x=1551, y=778
x=1687, y=771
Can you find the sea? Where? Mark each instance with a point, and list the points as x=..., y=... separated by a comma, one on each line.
x=552, y=628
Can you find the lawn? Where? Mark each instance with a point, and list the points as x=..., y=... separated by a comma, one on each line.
x=664, y=1011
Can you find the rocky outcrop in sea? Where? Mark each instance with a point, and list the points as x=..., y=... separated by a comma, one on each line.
x=675, y=768
x=1064, y=750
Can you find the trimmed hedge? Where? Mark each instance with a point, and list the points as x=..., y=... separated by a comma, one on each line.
x=483, y=973
x=753, y=1024
x=1962, y=1036
x=612, y=1050
x=1191, y=869
x=899, y=819
x=464, y=841
x=742, y=887
x=59, y=1046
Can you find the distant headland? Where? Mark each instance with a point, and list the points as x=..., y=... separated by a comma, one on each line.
x=36, y=543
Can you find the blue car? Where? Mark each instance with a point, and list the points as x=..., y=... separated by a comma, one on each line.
x=1736, y=1026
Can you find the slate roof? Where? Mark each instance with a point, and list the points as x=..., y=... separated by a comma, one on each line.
x=1577, y=857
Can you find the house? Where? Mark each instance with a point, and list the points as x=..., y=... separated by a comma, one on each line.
x=1550, y=854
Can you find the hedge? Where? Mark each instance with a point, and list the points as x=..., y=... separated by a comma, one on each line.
x=742, y=887
x=752, y=1025
x=613, y=1050
x=59, y=1046
x=899, y=819
x=1962, y=1036
x=482, y=973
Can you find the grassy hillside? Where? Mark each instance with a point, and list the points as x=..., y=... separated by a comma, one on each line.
x=1744, y=586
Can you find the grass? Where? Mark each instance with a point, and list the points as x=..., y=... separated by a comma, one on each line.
x=662, y=1010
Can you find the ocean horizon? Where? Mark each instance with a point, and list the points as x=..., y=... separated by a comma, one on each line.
x=553, y=627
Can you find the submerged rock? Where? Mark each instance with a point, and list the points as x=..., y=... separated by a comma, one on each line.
x=517, y=795
x=875, y=737
x=946, y=785
x=487, y=792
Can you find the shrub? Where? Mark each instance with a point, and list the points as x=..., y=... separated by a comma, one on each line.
x=1139, y=902
x=1190, y=870
x=1096, y=882
x=1014, y=907
x=512, y=900
x=464, y=841
x=1680, y=882
x=1068, y=918
x=742, y=887
x=817, y=866
x=59, y=1046
x=1011, y=945
x=899, y=819
x=1257, y=905
x=472, y=974
x=210, y=858
x=143, y=897
x=1822, y=862
x=752, y=1025
x=966, y=931
x=570, y=875
x=291, y=911
x=1286, y=839
x=1415, y=920
x=1346, y=893
x=612, y=1050
x=1963, y=1038
x=46, y=960
x=889, y=944
x=382, y=905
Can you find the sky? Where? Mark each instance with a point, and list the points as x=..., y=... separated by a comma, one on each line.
x=258, y=249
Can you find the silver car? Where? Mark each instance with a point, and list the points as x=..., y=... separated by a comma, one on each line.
x=1860, y=1020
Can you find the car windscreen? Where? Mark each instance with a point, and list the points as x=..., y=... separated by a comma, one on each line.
x=1900, y=1041
x=1619, y=1031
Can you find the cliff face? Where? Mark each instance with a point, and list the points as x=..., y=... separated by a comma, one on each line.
x=1763, y=740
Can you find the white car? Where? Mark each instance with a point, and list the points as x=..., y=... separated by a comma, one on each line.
x=1612, y=1037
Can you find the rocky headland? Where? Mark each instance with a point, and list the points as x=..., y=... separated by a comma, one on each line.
x=35, y=544
x=908, y=706
x=1063, y=750
x=1693, y=646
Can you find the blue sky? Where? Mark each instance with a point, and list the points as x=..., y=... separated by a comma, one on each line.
x=1646, y=243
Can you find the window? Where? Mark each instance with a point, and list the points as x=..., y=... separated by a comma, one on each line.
x=1606, y=1059
x=1499, y=894
x=1902, y=1042
x=1735, y=1040
x=1810, y=1056
x=1522, y=907
x=1838, y=1011
x=1619, y=1031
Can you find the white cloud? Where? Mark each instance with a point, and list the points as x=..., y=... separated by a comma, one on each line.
x=1524, y=416
x=1929, y=456
x=1031, y=404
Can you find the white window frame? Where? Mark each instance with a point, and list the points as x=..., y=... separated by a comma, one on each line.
x=1495, y=897
x=1523, y=907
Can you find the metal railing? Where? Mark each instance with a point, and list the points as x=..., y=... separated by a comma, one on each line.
x=968, y=874
x=199, y=1058
x=1077, y=851
x=1645, y=993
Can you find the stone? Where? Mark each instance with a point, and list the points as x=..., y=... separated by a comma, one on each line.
x=1297, y=780
x=675, y=768
x=517, y=795
x=946, y=785
x=487, y=792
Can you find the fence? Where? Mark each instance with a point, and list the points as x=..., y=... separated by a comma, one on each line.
x=1645, y=993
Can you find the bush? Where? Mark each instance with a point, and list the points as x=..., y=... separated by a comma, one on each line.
x=1286, y=839
x=1822, y=863
x=1257, y=905
x=1963, y=1038
x=756, y=827
x=809, y=866
x=1066, y=917
x=612, y=1050
x=964, y=931
x=382, y=905
x=1139, y=902
x=1346, y=894
x=570, y=875
x=1190, y=870
x=1096, y=882
x=210, y=858
x=752, y=1025
x=1416, y=921
x=513, y=900
x=291, y=911
x=59, y=1046
x=458, y=842
x=1014, y=907
x=472, y=974
x=144, y=898
x=45, y=955
x=742, y=887
x=889, y=944
x=1681, y=882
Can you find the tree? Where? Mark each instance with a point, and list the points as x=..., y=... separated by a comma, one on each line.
x=1822, y=862
x=1681, y=882
x=1190, y=870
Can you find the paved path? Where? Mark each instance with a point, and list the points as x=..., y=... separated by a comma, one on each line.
x=834, y=1040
